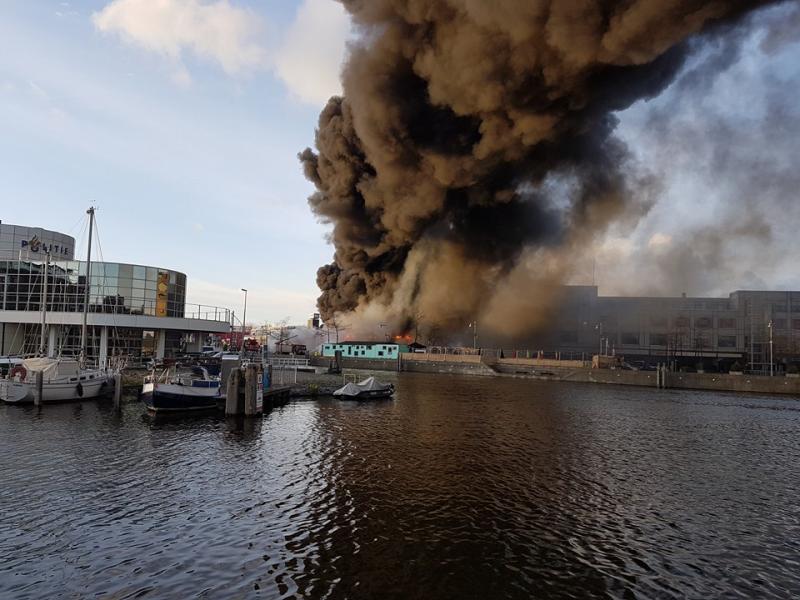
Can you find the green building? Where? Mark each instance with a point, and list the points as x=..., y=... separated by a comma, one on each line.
x=377, y=350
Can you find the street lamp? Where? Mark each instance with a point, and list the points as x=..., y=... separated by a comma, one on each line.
x=771, y=359
x=244, y=321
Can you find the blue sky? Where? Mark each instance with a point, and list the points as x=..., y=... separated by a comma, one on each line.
x=199, y=175
x=183, y=128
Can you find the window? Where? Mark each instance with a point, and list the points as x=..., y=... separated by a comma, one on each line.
x=630, y=339
x=780, y=323
x=658, y=339
x=727, y=341
x=795, y=323
x=682, y=322
x=703, y=322
x=380, y=352
x=778, y=308
x=727, y=323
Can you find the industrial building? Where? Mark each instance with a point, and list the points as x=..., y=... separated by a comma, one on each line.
x=744, y=327
x=134, y=310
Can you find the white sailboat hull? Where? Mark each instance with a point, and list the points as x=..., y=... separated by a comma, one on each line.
x=23, y=392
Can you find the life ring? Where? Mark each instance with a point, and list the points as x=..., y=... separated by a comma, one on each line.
x=18, y=370
x=79, y=390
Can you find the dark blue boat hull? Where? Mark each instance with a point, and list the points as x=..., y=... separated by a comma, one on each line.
x=165, y=402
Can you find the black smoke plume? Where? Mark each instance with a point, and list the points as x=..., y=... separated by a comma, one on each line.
x=473, y=152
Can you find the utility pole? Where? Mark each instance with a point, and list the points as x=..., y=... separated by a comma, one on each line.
x=771, y=356
x=244, y=323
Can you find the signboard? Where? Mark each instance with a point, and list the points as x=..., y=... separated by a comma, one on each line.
x=36, y=245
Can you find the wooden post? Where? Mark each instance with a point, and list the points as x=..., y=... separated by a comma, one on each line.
x=118, y=392
x=39, y=388
x=250, y=389
x=232, y=394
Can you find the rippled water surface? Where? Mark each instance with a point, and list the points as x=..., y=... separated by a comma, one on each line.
x=459, y=488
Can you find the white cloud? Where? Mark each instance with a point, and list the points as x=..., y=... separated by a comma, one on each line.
x=313, y=49
x=215, y=31
x=308, y=59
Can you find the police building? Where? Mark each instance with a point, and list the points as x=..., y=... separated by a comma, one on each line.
x=133, y=310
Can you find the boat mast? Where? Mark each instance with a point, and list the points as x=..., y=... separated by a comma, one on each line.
x=44, y=304
x=89, y=212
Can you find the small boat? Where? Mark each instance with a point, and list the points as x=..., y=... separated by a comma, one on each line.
x=63, y=380
x=369, y=389
x=176, y=391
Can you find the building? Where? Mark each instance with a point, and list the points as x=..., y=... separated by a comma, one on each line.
x=689, y=331
x=378, y=350
x=134, y=310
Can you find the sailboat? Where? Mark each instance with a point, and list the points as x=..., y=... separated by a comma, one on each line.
x=62, y=379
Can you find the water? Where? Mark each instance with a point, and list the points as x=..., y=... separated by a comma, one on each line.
x=459, y=488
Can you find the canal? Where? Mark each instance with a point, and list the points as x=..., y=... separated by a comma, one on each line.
x=462, y=487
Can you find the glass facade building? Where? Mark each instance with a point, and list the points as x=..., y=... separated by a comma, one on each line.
x=115, y=288
x=134, y=310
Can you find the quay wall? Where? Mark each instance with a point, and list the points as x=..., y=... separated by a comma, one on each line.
x=575, y=371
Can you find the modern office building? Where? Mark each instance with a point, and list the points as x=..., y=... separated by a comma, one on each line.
x=134, y=310
x=683, y=330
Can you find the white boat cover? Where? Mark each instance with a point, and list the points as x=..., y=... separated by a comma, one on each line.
x=371, y=384
x=52, y=368
x=368, y=385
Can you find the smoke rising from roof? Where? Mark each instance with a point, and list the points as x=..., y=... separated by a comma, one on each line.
x=473, y=155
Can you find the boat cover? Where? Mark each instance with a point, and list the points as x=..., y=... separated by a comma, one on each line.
x=52, y=368
x=368, y=385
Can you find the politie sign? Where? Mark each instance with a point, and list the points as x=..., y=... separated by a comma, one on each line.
x=36, y=245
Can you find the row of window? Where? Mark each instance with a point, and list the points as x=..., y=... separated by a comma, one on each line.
x=657, y=339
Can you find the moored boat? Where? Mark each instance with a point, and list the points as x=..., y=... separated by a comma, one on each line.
x=177, y=391
x=369, y=389
x=63, y=380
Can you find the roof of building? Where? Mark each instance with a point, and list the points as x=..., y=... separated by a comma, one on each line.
x=384, y=343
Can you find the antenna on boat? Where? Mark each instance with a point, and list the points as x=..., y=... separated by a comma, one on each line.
x=88, y=286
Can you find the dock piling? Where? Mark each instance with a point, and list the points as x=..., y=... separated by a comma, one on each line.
x=118, y=392
x=39, y=387
x=232, y=404
x=250, y=390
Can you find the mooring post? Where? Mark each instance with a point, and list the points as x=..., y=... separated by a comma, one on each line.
x=118, y=392
x=39, y=385
x=232, y=394
x=250, y=390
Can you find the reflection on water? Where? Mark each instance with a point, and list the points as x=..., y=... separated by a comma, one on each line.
x=459, y=488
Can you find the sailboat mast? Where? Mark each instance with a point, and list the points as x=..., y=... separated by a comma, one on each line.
x=89, y=212
x=44, y=304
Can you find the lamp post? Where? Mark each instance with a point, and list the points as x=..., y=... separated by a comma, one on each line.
x=244, y=321
x=771, y=359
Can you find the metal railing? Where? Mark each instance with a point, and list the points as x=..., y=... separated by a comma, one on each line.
x=287, y=361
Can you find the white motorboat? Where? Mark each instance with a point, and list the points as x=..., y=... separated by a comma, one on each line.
x=62, y=380
x=369, y=389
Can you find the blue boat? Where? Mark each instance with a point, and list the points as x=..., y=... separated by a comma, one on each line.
x=173, y=391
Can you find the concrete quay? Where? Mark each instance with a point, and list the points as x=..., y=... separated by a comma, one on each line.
x=573, y=371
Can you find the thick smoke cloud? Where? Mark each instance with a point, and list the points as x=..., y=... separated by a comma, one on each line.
x=473, y=154
x=726, y=139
